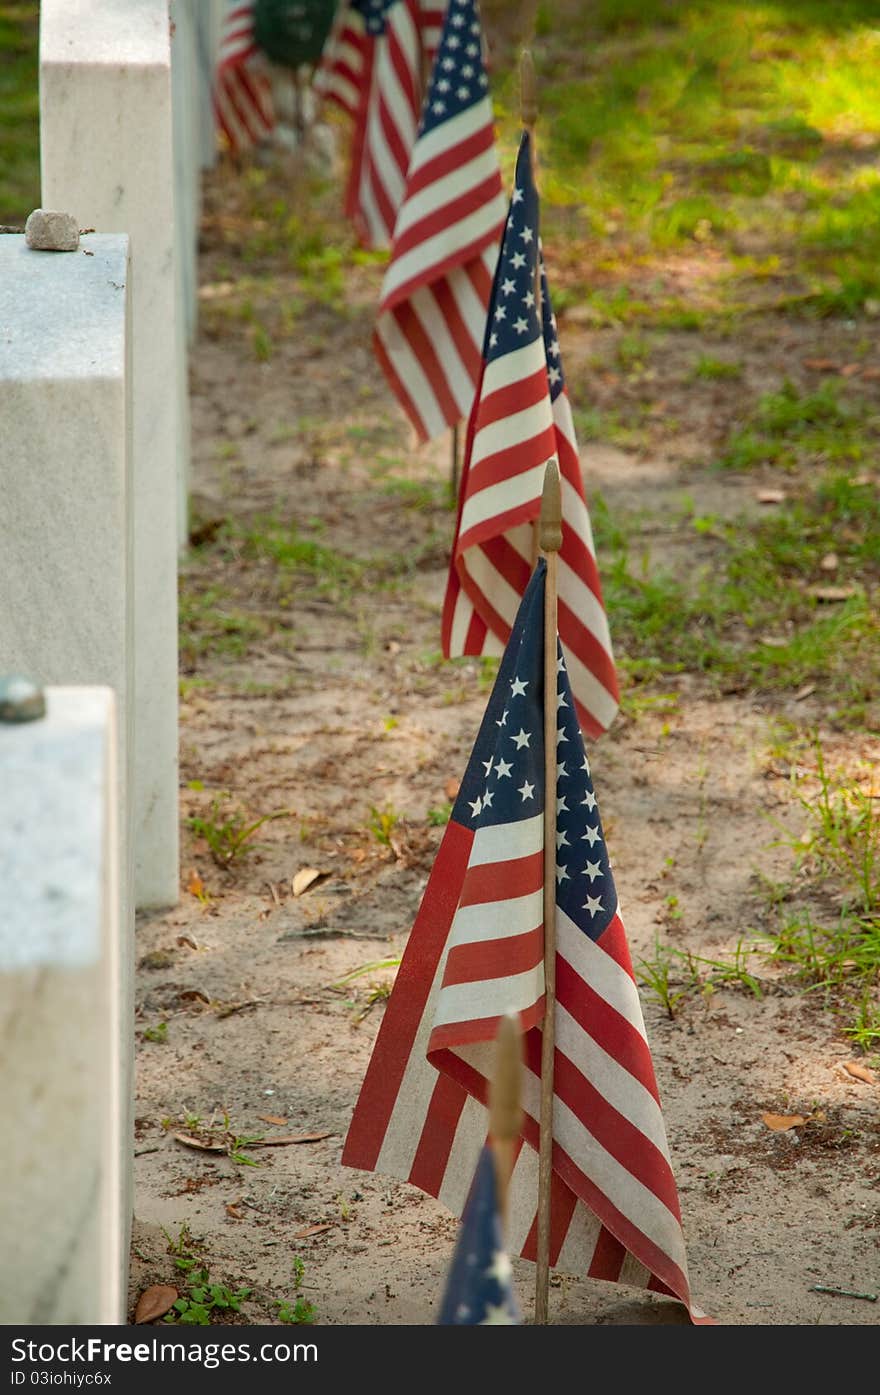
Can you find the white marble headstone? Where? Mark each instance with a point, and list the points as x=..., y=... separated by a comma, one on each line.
x=65, y=1019
x=107, y=156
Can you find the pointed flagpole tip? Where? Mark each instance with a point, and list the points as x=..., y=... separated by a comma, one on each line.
x=528, y=89
x=505, y=1113
x=550, y=521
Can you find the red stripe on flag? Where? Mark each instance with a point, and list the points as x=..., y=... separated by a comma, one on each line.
x=406, y=1005
x=515, y=954
x=400, y=389
x=429, y=1165
x=608, y=1257
x=502, y=881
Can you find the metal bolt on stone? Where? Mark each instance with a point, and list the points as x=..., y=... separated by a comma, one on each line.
x=20, y=699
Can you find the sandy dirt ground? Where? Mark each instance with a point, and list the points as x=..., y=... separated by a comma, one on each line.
x=317, y=695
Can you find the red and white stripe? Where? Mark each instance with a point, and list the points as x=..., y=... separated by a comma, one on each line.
x=432, y=314
x=514, y=430
x=242, y=95
x=345, y=65
x=340, y=74
x=386, y=125
x=421, y=1114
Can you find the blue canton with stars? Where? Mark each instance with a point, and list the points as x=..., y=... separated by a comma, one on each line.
x=513, y=314
x=551, y=340
x=458, y=78
x=478, y=1290
x=504, y=779
x=374, y=12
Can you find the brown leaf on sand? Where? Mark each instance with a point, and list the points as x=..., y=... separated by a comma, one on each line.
x=822, y=365
x=771, y=496
x=850, y=370
x=233, y=1211
x=194, y=885
x=304, y=878
x=189, y=1142
x=310, y=1230
x=829, y=562
x=155, y=1302
x=451, y=788
x=860, y=1072
x=780, y=1122
x=271, y=1118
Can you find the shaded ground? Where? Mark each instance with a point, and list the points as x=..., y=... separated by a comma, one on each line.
x=711, y=261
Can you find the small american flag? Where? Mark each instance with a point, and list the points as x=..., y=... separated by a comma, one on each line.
x=520, y=418
x=478, y=1290
x=475, y=953
x=432, y=314
x=242, y=88
x=373, y=67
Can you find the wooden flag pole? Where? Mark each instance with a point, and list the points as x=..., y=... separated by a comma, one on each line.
x=550, y=539
x=505, y=1111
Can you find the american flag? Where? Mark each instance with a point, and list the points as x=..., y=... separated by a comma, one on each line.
x=479, y=1290
x=432, y=314
x=242, y=88
x=521, y=418
x=374, y=67
x=475, y=953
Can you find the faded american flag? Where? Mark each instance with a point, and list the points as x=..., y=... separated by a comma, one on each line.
x=520, y=419
x=432, y=313
x=242, y=94
x=475, y=953
x=374, y=67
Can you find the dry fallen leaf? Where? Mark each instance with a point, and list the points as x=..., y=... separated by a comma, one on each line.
x=189, y=1142
x=155, y=1302
x=186, y=940
x=821, y=365
x=860, y=1072
x=871, y=375
x=829, y=562
x=272, y=1118
x=193, y=995
x=773, y=641
x=771, y=496
x=451, y=788
x=804, y=692
x=780, y=1122
x=304, y=878
x=849, y=370
x=195, y=886
x=233, y=1211
x=310, y=1230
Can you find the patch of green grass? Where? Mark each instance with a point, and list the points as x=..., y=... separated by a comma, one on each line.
x=19, y=103
x=791, y=428
x=716, y=369
x=688, y=129
x=212, y=628
x=834, y=950
x=228, y=831
x=382, y=823
x=749, y=617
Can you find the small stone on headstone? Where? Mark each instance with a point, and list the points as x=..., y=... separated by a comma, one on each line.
x=49, y=231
